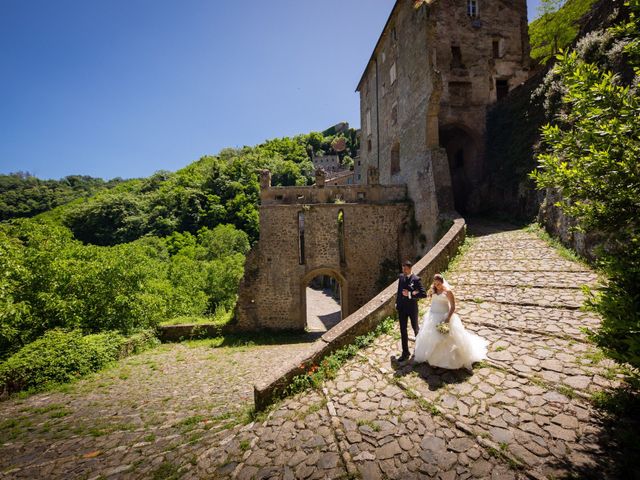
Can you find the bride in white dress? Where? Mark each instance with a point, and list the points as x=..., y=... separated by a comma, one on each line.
x=456, y=349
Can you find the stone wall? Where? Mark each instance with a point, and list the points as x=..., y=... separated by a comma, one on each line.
x=272, y=292
x=474, y=54
x=361, y=321
x=561, y=226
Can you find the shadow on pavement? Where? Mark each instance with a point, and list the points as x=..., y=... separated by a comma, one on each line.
x=434, y=377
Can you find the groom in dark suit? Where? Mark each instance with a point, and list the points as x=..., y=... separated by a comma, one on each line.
x=410, y=290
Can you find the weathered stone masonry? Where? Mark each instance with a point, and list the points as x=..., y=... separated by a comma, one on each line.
x=424, y=94
x=376, y=228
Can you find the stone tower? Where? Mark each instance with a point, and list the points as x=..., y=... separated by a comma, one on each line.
x=424, y=94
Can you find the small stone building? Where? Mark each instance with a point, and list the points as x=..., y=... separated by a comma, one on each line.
x=329, y=163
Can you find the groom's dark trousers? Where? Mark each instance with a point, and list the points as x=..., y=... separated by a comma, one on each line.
x=408, y=306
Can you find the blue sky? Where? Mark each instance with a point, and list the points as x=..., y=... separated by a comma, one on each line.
x=123, y=88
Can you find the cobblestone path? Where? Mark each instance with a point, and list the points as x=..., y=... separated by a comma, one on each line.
x=323, y=311
x=524, y=413
x=152, y=412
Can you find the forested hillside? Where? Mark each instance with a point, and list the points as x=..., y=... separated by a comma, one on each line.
x=23, y=195
x=129, y=257
x=556, y=26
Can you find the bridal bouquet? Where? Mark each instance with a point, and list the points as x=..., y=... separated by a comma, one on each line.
x=443, y=328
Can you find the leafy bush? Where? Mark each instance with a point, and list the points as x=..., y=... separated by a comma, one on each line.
x=59, y=357
x=590, y=157
x=220, y=317
x=138, y=342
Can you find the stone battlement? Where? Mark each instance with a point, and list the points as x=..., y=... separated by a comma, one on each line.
x=372, y=194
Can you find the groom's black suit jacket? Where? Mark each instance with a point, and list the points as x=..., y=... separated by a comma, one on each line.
x=414, y=285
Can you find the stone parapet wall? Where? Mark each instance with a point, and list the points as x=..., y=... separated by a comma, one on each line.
x=379, y=194
x=361, y=321
x=562, y=227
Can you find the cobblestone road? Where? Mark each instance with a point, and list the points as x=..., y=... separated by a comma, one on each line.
x=323, y=311
x=524, y=413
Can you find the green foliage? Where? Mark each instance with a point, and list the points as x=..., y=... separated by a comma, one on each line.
x=141, y=251
x=60, y=357
x=389, y=271
x=209, y=192
x=556, y=26
x=22, y=195
x=221, y=316
x=166, y=471
x=513, y=128
x=50, y=280
x=590, y=157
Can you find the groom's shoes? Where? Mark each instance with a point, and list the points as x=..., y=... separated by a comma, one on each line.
x=403, y=358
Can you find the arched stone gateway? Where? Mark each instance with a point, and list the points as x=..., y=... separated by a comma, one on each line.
x=351, y=233
x=343, y=297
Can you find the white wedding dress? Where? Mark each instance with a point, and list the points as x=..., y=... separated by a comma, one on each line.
x=459, y=348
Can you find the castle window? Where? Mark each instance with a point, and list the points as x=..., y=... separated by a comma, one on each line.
x=502, y=89
x=392, y=73
x=369, y=145
x=472, y=8
x=456, y=57
x=394, y=113
x=301, y=237
x=395, y=158
x=496, y=49
x=341, y=236
x=367, y=122
x=394, y=34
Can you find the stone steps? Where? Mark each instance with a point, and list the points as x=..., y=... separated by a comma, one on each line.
x=532, y=296
x=522, y=279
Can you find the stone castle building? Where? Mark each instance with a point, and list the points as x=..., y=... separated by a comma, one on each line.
x=435, y=69
x=425, y=91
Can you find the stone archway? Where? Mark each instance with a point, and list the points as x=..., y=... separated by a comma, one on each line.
x=463, y=151
x=343, y=294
